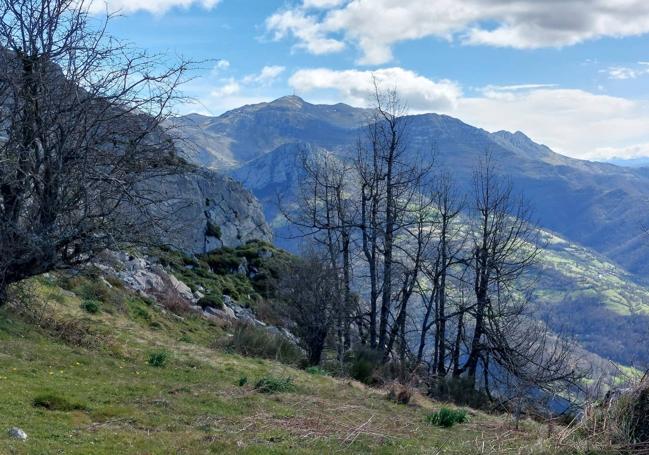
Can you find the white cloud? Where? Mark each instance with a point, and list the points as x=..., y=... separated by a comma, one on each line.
x=231, y=87
x=356, y=87
x=623, y=72
x=627, y=153
x=322, y=3
x=376, y=25
x=152, y=6
x=306, y=29
x=267, y=75
x=574, y=122
x=222, y=64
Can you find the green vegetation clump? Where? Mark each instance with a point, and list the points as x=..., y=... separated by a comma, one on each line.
x=89, y=286
x=91, y=306
x=363, y=365
x=317, y=371
x=158, y=359
x=461, y=392
x=271, y=384
x=251, y=341
x=54, y=402
x=198, y=275
x=211, y=300
x=446, y=417
x=213, y=230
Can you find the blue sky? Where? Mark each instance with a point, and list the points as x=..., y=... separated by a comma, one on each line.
x=569, y=73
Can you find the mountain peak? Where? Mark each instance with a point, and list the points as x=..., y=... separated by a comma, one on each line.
x=293, y=101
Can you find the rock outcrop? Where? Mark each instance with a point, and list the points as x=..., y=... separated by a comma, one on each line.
x=206, y=210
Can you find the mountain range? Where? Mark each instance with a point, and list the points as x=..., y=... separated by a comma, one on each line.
x=591, y=214
x=599, y=205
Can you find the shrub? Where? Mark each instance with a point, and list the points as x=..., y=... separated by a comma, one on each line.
x=460, y=391
x=243, y=380
x=158, y=359
x=364, y=364
x=211, y=300
x=399, y=394
x=446, y=417
x=317, y=371
x=141, y=313
x=53, y=402
x=271, y=384
x=91, y=306
x=252, y=341
x=213, y=230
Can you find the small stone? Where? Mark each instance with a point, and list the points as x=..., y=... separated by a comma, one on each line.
x=17, y=433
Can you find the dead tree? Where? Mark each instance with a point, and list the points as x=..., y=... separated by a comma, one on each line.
x=80, y=117
x=390, y=178
x=325, y=214
x=504, y=246
x=442, y=255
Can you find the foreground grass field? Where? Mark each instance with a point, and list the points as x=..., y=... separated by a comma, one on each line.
x=106, y=398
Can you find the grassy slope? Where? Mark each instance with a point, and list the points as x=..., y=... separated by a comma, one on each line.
x=194, y=404
x=571, y=272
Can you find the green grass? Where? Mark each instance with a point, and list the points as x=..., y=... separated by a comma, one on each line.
x=107, y=399
x=446, y=417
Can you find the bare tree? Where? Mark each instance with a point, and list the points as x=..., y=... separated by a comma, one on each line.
x=80, y=117
x=326, y=214
x=391, y=181
x=442, y=255
x=504, y=246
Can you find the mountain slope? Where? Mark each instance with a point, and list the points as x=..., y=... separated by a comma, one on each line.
x=599, y=205
x=104, y=396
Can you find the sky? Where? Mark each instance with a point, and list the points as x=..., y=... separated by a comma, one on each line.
x=571, y=74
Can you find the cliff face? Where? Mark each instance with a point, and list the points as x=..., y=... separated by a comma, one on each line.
x=205, y=210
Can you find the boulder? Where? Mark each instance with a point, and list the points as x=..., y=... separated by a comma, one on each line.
x=182, y=289
x=17, y=433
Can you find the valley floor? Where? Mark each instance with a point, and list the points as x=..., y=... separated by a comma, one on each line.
x=105, y=398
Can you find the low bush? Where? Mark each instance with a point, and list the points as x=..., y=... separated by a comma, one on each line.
x=158, y=359
x=54, y=402
x=252, y=341
x=91, y=306
x=363, y=365
x=211, y=300
x=446, y=417
x=271, y=384
x=317, y=371
x=213, y=230
x=460, y=391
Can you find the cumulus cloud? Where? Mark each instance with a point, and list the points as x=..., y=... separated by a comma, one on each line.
x=376, y=25
x=152, y=6
x=356, y=87
x=231, y=87
x=305, y=28
x=267, y=75
x=573, y=122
